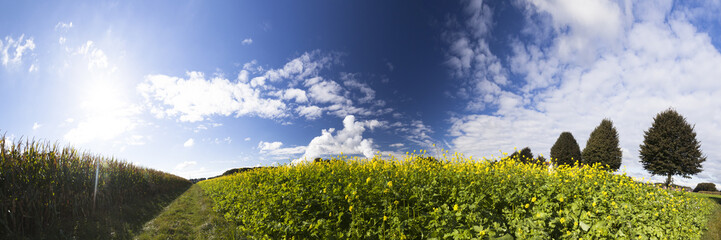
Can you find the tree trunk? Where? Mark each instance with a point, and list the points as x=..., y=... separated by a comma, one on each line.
x=668, y=180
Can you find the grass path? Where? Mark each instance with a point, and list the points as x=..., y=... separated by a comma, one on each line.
x=714, y=224
x=190, y=216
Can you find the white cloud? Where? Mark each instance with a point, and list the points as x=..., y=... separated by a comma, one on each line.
x=12, y=50
x=196, y=98
x=625, y=62
x=189, y=143
x=247, y=41
x=36, y=126
x=62, y=40
x=351, y=81
x=246, y=139
x=296, y=89
x=310, y=112
x=325, y=91
x=95, y=56
x=397, y=145
x=185, y=164
x=306, y=66
x=269, y=146
x=469, y=55
x=63, y=26
x=33, y=68
x=276, y=150
x=348, y=140
x=297, y=94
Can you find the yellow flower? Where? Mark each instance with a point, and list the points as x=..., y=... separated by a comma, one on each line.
x=526, y=205
x=390, y=184
x=368, y=180
x=385, y=218
x=560, y=199
x=455, y=207
x=350, y=208
x=533, y=199
x=563, y=220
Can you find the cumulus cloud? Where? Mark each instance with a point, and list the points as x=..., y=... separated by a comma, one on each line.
x=195, y=98
x=247, y=41
x=276, y=150
x=623, y=61
x=295, y=90
x=189, y=143
x=36, y=126
x=12, y=50
x=310, y=112
x=348, y=140
x=297, y=94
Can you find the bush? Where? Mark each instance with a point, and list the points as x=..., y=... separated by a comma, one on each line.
x=705, y=187
x=462, y=198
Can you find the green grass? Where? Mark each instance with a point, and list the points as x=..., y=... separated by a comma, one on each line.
x=714, y=222
x=191, y=216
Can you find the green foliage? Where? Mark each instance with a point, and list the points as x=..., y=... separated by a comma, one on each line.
x=670, y=147
x=540, y=159
x=459, y=199
x=46, y=190
x=525, y=156
x=711, y=187
x=602, y=147
x=565, y=151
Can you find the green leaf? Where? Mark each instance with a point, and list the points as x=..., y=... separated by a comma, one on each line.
x=584, y=226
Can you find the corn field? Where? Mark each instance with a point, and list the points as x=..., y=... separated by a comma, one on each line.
x=44, y=186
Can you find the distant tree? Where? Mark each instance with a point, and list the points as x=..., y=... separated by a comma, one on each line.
x=602, y=147
x=524, y=156
x=670, y=147
x=540, y=159
x=705, y=187
x=565, y=151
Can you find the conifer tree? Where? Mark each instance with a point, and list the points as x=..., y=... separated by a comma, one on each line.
x=524, y=156
x=670, y=147
x=565, y=151
x=602, y=147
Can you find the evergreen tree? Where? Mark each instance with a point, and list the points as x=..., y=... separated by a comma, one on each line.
x=602, y=147
x=670, y=147
x=524, y=156
x=565, y=151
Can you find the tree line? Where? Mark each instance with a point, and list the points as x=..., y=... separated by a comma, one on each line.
x=669, y=148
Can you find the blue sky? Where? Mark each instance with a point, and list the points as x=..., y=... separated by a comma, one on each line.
x=196, y=88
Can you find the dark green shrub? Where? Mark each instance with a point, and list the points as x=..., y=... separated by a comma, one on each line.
x=705, y=187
